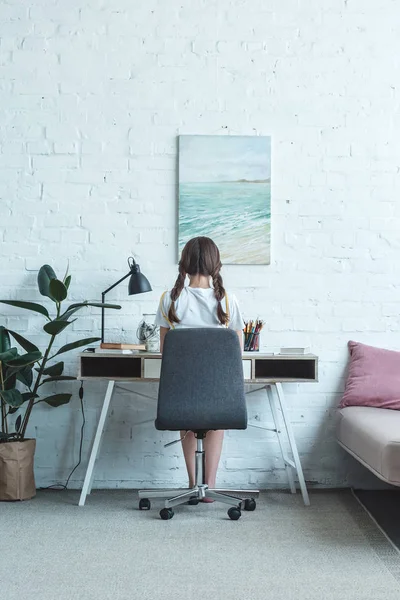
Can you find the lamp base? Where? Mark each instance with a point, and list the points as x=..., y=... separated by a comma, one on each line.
x=108, y=346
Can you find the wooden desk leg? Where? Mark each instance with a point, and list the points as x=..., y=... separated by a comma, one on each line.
x=292, y=442
x=96, y=443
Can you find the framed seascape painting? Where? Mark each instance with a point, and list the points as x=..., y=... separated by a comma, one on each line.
x=225, y=194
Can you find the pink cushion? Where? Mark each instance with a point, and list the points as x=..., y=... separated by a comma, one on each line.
x=373, y=379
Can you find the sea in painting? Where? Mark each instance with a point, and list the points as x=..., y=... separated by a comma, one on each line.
x=225, y=194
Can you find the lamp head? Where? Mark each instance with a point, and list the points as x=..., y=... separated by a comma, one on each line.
x=138, y=283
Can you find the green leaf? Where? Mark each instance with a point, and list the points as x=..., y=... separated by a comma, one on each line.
x=66, y=273
x=18, y=423
x=5, y=357
x=58, y=378
x=55, y=327
x=12, y=397
x=45, y=275
x=58, y=290
x=67, y=281
x=26, y=344
x=71, y=310
x=74, y=307
x=29, y=306
x=4, y=340
x=25, y=376
x=12, y=410
x=102, y=304
x=16, y=369
x=54, y=370
x=76, y=344
x=25, y=359
x=10, y=380
x=57, y=399
x=28, y=395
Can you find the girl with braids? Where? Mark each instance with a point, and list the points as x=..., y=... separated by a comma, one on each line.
x=202, y=303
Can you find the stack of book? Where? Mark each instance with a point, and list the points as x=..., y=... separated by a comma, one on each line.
x=295, y=350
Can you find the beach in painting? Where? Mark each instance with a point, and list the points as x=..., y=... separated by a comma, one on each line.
x=235, y=215
x=225, y=194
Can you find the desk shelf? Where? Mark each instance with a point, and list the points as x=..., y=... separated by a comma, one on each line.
x=110, y=366
x=284, y=369
x=144, y=366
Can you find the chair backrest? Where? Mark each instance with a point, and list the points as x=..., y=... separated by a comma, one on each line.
x=201, y=381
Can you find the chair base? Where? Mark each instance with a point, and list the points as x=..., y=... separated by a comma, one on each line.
x=198, y=492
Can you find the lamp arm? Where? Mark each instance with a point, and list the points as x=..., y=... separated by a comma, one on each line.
x=102, y=300
x=117, y=283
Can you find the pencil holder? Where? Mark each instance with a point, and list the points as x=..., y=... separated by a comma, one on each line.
x=252, y=342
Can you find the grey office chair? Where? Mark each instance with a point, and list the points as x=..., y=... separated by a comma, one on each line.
x=201, y=389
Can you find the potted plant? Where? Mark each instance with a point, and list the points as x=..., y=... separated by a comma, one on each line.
x=33, y=369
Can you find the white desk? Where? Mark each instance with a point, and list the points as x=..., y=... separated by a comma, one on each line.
x=267, y=371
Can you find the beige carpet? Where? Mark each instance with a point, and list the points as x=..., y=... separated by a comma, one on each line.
x=54, y=550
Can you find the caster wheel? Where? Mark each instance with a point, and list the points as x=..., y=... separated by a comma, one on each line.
x=144, y=504
x=234, y=513
x=166, y=514
x=193, y=501
x=250, y=504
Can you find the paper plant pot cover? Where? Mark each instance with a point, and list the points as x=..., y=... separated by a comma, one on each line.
x=17, y=480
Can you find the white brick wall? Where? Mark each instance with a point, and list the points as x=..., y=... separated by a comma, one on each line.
x=93, y=96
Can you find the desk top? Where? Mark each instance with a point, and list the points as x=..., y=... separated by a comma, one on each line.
x=245, y=355
x=258, y=367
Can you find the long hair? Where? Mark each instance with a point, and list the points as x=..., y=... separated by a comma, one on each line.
x=200, y=256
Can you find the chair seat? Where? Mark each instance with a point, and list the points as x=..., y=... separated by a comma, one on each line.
x=372, y=435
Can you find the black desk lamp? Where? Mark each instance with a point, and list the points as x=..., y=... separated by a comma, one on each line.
x=138, y=284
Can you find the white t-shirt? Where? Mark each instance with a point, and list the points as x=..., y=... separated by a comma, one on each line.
x=197, y=307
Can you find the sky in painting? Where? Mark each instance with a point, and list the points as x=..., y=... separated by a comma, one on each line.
x=214, y=158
